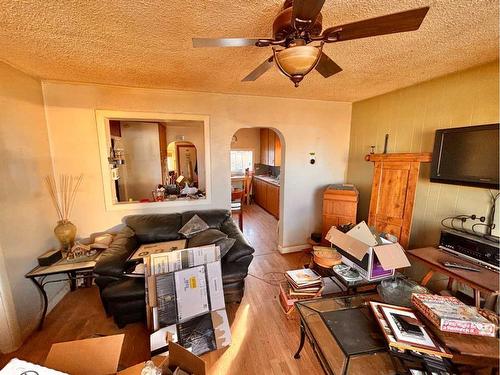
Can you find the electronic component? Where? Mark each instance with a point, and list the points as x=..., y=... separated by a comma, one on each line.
x=472, y=248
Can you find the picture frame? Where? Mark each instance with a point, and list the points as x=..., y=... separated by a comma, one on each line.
x=187, y=162
x=393, y=313
x=390, y=337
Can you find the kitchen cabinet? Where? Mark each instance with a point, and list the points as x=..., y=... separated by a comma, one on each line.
x=273, y=200
x=264, y=146
x=270, y=148
x=277, y=151
x=260, y=192
x=267, y=196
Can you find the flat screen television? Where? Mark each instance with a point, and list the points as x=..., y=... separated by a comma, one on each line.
x=467, y=156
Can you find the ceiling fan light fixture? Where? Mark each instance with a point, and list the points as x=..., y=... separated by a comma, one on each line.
x=297, y=61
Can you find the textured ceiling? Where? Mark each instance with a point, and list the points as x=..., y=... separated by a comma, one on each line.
x=147, y=43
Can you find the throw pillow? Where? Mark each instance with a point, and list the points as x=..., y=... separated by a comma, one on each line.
x=193, y=226
x=213, y=236
x=206, y=237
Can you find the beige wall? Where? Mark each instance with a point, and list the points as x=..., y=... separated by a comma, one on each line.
x=306, y=125
x=410, y=116
x=27, y=217
x=248, y=139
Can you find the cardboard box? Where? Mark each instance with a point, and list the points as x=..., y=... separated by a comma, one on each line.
x=178, y=357
x=100, y=356
x=185, y=300
x=360, y=250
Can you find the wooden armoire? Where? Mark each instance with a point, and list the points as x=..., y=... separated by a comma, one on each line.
x=393, y=192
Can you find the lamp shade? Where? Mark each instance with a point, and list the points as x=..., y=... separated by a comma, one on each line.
x=299, y=59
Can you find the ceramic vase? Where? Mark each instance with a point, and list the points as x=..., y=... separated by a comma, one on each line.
x=65, y=232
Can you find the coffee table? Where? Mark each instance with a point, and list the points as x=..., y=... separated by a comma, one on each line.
x=344, y=335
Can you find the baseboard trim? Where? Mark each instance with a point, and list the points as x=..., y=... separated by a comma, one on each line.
x=30, y=328
x=293, y=249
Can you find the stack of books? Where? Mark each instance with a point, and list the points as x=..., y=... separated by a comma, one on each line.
x=303, y=282
x=300, y=284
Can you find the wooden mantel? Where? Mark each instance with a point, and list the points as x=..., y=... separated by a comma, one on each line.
x=393, y=192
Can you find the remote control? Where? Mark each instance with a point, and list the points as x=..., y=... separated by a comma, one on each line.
x=460, y=266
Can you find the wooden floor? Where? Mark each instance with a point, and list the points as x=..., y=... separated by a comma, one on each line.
x=264, y=341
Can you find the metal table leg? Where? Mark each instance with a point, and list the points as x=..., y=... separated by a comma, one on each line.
x=72, y=281
x=40, y=287
x=302, y=339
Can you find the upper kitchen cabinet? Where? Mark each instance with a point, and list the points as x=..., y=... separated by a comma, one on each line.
x=264, y=146
x=270, y=148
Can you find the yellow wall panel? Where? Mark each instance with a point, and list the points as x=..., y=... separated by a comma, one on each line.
x=411, y=116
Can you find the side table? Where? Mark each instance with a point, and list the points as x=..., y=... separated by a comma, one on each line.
x=73, y=271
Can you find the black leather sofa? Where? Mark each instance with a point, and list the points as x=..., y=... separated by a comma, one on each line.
x=124, y=296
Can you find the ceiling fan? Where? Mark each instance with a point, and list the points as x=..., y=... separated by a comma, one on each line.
x=299, y=24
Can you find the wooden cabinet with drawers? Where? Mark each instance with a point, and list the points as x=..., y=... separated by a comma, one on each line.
x=340, y=205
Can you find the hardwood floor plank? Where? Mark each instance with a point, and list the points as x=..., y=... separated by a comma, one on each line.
x=263, y=339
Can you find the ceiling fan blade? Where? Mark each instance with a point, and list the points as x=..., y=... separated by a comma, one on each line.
x=261, y=69
x=327, y=67
x=224, y=42
x=393, y=23
x=304, y=12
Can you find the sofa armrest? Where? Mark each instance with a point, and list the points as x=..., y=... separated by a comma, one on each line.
x=112, y=260
x=241, y=250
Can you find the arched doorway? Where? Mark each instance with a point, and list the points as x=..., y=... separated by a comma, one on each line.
x=256, y=159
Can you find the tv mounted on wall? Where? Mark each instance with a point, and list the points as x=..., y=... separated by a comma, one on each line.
x=467, y=156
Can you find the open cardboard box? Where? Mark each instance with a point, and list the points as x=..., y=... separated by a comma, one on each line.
x=100, y=356
x=361, y=251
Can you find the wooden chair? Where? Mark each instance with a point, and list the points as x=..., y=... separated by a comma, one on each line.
x=247, y=188
x=237, y=199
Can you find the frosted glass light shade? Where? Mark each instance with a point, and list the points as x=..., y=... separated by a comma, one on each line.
x=298, y=60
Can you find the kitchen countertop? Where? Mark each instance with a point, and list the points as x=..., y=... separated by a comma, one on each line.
x=268, y=179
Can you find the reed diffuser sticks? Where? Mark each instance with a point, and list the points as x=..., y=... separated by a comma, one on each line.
x=63, y=195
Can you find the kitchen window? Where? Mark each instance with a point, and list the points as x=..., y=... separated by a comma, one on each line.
x=241, y=160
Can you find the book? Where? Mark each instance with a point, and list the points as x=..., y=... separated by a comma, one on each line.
x=287, y=301
x=299, y=293
x=451, y=315
x=304, y=280
x=303, y=276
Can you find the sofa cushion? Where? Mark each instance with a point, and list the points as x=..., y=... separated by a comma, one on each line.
x=214, y=218
x=194, y=226
x=155, y=228
x=129, y=289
